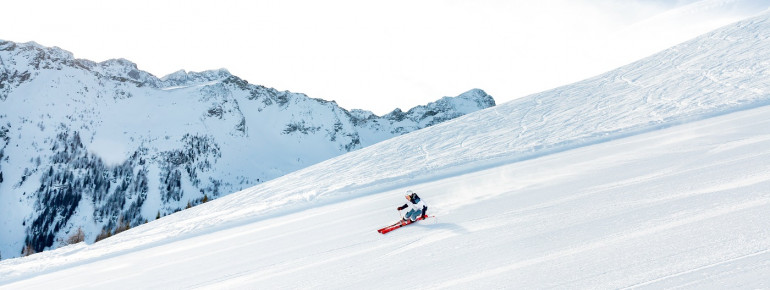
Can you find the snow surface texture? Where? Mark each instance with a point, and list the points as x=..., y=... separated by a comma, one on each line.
x=684, y=206
x=99, y=146
x=654, y=175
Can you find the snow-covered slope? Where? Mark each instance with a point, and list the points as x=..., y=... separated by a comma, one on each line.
x=99, y=146
x=684, y=206
x=655, y=174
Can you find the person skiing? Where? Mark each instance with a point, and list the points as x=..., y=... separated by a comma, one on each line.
x=417, y=210
x=416, y=207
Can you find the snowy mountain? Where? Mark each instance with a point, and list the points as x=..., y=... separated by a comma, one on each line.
x=652, y=175
x=105, y=146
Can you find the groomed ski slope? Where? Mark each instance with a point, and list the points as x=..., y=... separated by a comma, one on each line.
x=684, y=206
x=655, y=174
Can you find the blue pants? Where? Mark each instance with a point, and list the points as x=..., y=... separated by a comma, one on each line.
x=413, y=214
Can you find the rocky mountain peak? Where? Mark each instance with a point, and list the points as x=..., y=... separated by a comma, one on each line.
x=184, y=78
x=479, y=96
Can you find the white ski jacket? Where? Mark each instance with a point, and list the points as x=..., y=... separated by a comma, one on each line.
x=415, y=204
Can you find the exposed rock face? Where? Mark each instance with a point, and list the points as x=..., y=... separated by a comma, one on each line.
x=98, y=146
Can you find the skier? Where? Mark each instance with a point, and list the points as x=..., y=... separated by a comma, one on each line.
x=417, y=211
x=417, y=208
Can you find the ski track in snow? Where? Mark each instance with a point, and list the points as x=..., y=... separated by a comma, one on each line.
x=706, y=267
x=608, y=241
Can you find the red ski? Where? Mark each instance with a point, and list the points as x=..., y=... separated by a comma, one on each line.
x=399, y=224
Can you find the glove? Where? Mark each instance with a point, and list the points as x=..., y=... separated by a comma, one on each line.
x=401, y=207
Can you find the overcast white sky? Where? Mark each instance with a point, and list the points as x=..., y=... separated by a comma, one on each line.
x=375, y=55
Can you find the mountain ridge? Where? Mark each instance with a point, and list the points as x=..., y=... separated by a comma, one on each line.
x=102, y=146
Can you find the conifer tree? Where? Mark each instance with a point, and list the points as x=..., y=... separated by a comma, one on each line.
x=77, y=237
x=28, y=250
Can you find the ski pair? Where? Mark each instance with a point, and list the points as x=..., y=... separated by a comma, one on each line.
x=399, y=224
